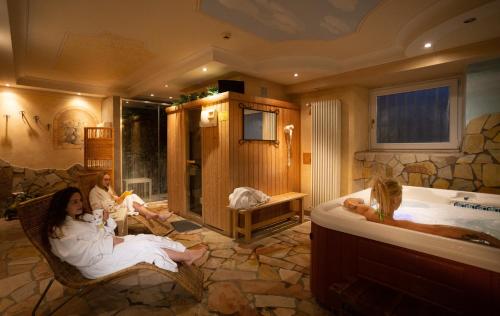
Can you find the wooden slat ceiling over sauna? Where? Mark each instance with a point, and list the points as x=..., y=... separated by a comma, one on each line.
x=227, y=164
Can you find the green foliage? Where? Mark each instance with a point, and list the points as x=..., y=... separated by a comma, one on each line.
x=183, y=98
x=11, y=211
x=212, y=91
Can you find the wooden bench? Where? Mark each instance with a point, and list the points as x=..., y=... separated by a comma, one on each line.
x=248, y=226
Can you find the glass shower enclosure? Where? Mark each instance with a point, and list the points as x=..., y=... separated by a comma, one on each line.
x=144, y=149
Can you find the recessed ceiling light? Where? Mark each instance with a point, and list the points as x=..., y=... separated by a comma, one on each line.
x=166, y=86
x=295, y=74
x=428, y=45
x=152, y=95
x=205, y=69
x=126, y=101
x=7, y=85
x=170, y=98
x=79, y=93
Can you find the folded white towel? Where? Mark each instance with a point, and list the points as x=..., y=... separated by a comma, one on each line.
x=245, y=197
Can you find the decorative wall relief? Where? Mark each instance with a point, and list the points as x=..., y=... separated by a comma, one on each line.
x=68, y=128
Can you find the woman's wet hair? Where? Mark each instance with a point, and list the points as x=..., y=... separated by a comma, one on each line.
x=383, y=191
x=57, y=210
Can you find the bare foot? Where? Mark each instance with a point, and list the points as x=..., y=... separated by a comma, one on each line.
x=195, y=254
x=148, y=213
x=162, y=216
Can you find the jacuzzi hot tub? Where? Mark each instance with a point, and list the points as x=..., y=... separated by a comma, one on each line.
x=460, y=275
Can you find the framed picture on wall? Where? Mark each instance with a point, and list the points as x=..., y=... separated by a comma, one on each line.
x=68, y=128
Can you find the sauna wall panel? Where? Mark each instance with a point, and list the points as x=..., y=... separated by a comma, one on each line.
x=176, y=163
x=215, y=169
x=263, y=165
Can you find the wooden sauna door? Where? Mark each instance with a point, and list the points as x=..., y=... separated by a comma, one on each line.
x=194, y=163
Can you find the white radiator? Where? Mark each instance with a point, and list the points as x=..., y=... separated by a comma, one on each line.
x=325, y=150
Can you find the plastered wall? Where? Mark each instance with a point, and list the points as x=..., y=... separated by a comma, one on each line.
x=29, y=143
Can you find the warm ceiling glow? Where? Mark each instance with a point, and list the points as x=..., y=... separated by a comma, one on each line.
x=428, y=45
x=152, y=95
x=205, y=69
x=170, y=98
x=166, y=85
x=295, y=74
x=10, y=103
x=79, y=93
x=7, y=85
x=79, y=102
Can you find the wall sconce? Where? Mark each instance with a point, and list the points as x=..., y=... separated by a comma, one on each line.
x=208, y=117
x=308, y=105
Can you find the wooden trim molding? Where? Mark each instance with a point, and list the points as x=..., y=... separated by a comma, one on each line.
x=221, y=97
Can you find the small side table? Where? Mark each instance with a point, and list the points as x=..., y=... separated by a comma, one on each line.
x=146, y=181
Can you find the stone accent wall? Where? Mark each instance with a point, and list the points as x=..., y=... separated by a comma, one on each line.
x=476, y=168
x=35, y=182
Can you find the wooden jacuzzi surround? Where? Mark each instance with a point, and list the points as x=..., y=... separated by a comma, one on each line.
x=339, y=257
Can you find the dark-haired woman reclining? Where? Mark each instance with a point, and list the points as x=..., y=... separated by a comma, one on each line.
x=96, y=252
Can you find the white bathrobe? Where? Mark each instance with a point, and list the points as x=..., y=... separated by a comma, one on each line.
x=100, y=198
x=90, y=249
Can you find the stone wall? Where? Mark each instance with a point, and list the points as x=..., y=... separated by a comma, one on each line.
x=34, y=182
x=475, y=168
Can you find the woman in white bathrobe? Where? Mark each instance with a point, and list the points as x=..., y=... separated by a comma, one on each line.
x=102, y=196
x=97, y=252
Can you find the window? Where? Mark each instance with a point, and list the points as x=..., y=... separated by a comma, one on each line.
x=422, y=116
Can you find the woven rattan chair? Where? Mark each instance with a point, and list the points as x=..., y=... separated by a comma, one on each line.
x=88, y=180
x=33, y=215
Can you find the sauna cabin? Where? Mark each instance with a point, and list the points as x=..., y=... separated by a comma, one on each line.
x=208, y=156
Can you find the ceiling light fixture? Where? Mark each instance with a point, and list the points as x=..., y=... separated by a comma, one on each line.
x=79, y=93
x=7, y=85
x=428, y=45
x=205, y=69
x=170, y=98
x=166, y=86
x=152, y=95
x=295, y=74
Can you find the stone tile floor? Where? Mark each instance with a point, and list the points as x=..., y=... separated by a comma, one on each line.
x=267, y=277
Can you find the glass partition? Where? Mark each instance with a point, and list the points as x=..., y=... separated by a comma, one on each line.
x=144, y=149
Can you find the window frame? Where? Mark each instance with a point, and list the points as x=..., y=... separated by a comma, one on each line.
x=456, y=116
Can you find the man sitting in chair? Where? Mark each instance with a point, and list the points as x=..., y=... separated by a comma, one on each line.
x=102, y=196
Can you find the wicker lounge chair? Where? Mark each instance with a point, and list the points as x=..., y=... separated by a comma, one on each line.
x=88, y=180
x=33, y=214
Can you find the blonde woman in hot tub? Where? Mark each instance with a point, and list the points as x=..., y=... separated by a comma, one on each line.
x=386, y=195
